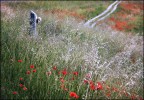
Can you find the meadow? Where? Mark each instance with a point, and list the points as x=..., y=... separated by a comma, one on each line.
x=67, y=60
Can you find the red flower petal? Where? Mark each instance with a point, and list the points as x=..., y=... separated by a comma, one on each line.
x=34, y=70
x=62, y=80
x=54, y=68
x=21, y=79
x=21, y=85
x=99, y=86
x=64, y=72
x=28, y=72
x=48, y=73
x=24, y=88
x=92, y=87
x=73, y=94
x=108, y=94
x=86, y=81
x=19, y=60
x=75, y=73
x=14, y=92
x=31, y=66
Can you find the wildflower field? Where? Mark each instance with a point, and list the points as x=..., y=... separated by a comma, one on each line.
x=68, y=60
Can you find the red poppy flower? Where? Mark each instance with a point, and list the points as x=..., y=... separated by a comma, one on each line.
x=34, y=70
x=92, y=87
x=19, y=60
x=21, y=85
x=62, y=80
x=14, y=92
x=85, y=81
x=48, y=73
x=21, y=79
x=73, y=94
x=108, y=94
x=31, y=66
x=75, y=73
x=24, y=88
x=64, y=72
x=99, y=86
x=91, y=82
x=54, y=68
x=28, y=72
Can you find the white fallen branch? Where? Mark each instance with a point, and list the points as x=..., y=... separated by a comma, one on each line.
x=115, y=7
x=106, y=13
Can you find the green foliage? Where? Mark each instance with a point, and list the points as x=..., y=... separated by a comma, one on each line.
x=139, y=26
x=96, y=12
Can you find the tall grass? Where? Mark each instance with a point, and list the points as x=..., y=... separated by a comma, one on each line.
x=80, y=7
x=62, y=49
